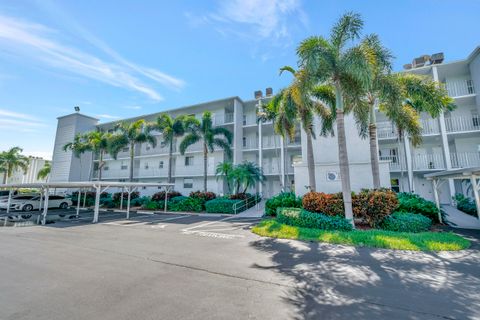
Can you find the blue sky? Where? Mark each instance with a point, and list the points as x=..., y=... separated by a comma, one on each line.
x=122, y=58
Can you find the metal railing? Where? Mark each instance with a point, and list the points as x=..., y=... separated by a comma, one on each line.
x=386, y=130
x=429, y=161
x=396, y=162
x=465, y=159
x=247, y=203
x=461, y=87
x=462, y=123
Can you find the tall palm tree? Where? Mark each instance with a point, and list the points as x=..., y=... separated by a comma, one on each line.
x=12, y=160
x=78, y=146
x=129, y=135
x=209, y=136
x=344, y=65
x=45, y=171
x=98, y=142
x=171, y=129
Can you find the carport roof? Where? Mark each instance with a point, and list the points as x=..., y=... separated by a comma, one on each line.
x=463, y=173
x=86, y=184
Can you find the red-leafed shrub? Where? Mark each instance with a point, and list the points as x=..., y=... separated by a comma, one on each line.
x=118, y=195
x=205, y=196
x=329, y=204
x=160, y=196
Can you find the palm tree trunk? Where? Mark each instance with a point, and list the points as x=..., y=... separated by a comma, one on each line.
x=132, y=156
x=5, y=175
x=372, y=132
x=310, y=162
x=170, y=155
x=100, y=166
x=343, y=158
x=285, y=164
x=205, y=153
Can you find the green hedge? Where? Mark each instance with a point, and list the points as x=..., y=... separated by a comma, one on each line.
x=282, y=200
x=466, y=205
x=406, y=222
x=301, y=218
x=186, y=204
x=413, y=203
x=221, y=205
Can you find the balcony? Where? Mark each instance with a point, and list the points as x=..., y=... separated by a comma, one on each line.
x=462, y=123
x=250, y=143
x=250, y=119
x=461, y=87
x=465, y=159
x=386, y=130
x=429, y=161
x=396, y=163
x=222, y=119
x=430, y=126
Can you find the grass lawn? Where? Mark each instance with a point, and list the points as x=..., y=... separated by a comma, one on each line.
x=424, y=241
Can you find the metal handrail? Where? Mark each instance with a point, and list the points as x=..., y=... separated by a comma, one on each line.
x=245, y=203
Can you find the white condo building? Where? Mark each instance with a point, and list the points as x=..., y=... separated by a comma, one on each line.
x=451, y=141
x=35, y=164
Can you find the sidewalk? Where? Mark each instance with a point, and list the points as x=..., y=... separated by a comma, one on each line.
x=254, y=212
x=458, y=219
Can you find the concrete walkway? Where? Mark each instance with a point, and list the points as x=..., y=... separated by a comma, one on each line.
x=254, y=212
x=459, y=219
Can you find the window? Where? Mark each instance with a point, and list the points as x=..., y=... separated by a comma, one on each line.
x=163, y=144
x=244, y=142
x=125, y=149
x=146, y=165
x=244, y=119
x=187, y=183
x=395, y=184
x=105, y=168
x=160, y=165
x=123, y=166
x=189, y=161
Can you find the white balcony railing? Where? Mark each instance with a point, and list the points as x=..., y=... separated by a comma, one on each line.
x=465, y=159
x=386, y=130
x=250, y=119
x=250, y=143
x=462, y=123
x=221, y=119
x=458, y=88
x=430, y=126
x=429, y=161
x=396, y=163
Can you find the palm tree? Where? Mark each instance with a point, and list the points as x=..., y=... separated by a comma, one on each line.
x=345, y=66
x=210, y=137
x=130, y=135
x=12, y=160
x=170, y=128
x=246, y=175
x=78, y=147
x=224, y=170
x=45, y=171
x=98, y=142
x=299, y=102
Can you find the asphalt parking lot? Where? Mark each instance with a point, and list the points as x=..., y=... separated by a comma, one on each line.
x=173, y=266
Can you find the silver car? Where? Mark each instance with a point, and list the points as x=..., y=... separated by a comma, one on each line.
x=29, y=203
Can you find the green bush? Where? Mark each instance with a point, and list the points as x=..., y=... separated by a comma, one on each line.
x=413, y=203
x=302, y=218
x=177, y=199
x=221, y=205
x=406, y=222
x=466, y=205
x=187, y=205
x=138, y=202
x=284, y=199
x=151, y=205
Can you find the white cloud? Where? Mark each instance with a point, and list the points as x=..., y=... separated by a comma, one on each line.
x=107, y=116
x=259, y=19
x=19, y=122
x=132, y=107
x=37, y=42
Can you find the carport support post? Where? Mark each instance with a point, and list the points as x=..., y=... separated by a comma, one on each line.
x=45, y=205
x=129, y=190
x=475, y=187
x=78, y=201
x=41, y=200
x=97, y=204
x=166, y=199
x=437, y=199
x=121, y=198
x=9, y=201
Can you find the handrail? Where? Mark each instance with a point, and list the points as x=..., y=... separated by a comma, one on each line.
x=245, y=203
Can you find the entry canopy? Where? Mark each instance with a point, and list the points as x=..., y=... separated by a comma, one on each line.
x=473, y=174
x=99, y=186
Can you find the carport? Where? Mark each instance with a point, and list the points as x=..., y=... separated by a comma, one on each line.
x=97, y=186
x=438, y=178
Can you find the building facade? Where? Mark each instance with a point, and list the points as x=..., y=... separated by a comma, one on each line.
x=449, y=141
x=35, y=164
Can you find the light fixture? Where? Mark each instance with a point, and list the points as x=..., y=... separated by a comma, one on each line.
x=77, y=109
x=268, y=92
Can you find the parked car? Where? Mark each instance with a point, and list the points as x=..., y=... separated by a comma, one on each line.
x=4, y=194
x=29, y=203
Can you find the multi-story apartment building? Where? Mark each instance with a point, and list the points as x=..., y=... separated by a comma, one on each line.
x=31, y=175
x=450, y=141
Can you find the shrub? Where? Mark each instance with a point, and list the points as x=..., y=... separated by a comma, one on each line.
x=90, y=197
x=138, y=202
x=369, y=205
x=160, y=196
x=221, y=205
x=187, y=205
x=466, y=204
x=177, y=199
x=133, y=195
x=406, y=222
x=205, y=196
x=301, y=218
x=413, y=203
x=284, y=199
x=151, y=205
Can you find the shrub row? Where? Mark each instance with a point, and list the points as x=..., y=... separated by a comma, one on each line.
x=302, y=218
x=370, y=205
x=282, y=200
x=221, y=205
x=466, y=205
x=413, y=203
x=406, y=222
